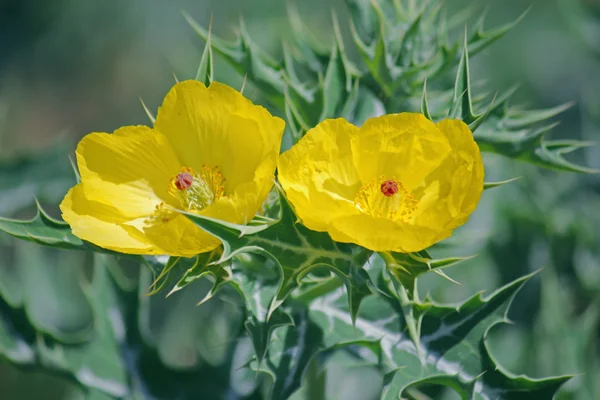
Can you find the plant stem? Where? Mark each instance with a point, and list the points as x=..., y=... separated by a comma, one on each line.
x=315, y=382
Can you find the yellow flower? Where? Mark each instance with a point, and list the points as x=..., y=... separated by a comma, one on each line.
x=399, y=183
x=211, y=152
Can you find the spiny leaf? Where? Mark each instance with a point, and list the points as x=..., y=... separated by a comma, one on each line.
x=220, y=274
x=375, y=57
x=462, y=89
x=45, y=230
x=261, y=331
x=519, y=119
x=529, y=145
x=425, y=103
x=407, y=267
x=482, y=39
x=295, y=250
x=451, y=338
x=46, y=175
x=247, y=58
x=96, y=363
x=205, y=71
x=407, y=46
x=257, y=291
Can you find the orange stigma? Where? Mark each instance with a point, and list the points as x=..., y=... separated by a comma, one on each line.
x=184, y=181
x=389, y=188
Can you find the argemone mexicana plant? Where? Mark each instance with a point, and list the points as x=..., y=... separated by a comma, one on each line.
x=398, y=183
x=211, y=152
x=380, y=168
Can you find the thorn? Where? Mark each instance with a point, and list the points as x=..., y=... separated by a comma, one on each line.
x=244, y=83
x=443, y=275
x=148, y=113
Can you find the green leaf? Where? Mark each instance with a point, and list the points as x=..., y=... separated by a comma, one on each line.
x=462, y=90
x=294, y=249
x=289, y=355
x=425, y=103
x=452, y=339
x=481, y=39
x=46, y=175
x=406, y=267
x=205, y=71
x=245, y=56
x=375, y=57
x=529, y=145
x=15, y=336
x=218, y=274
x=53, y=299
x=45, y=230
x=363, y=18
x=97, y=363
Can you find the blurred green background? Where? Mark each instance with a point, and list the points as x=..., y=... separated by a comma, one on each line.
x=70, y=67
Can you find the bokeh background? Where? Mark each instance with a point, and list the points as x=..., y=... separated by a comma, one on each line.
x=70, y=67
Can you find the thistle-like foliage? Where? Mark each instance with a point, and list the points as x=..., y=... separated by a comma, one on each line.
x=404, y=47
x=300, y=298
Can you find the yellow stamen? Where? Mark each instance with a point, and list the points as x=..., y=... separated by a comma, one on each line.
x=386, y=198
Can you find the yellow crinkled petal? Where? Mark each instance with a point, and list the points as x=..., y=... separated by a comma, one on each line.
x=407, y=146
x=452, y=191
x=102, y=225
x=218, y=127
x=176, y=235
x=436, y=170
x=380, y=234
x=125, y=178
x=129, y=169
x=319, y=176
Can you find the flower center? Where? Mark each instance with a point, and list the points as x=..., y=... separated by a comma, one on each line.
x=184, y=180
x=386, y=198
x=389, y=188
x=197, y=189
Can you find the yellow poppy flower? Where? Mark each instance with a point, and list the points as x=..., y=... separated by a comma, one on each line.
x=211, y=152
x=398, y=183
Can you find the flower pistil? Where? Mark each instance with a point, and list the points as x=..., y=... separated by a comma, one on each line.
x=197, y=189
x=386, y=198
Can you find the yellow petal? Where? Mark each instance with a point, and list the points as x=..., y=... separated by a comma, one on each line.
x=219, y=127
x=380, y=234
x=319, y=176
x=407, y=146
x=453, y=190
x=411, y=182
x=129, y=170
x=102, y=225
x=175, y=234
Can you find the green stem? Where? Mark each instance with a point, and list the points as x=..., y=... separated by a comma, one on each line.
x=411, y=322
x=315, y=382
